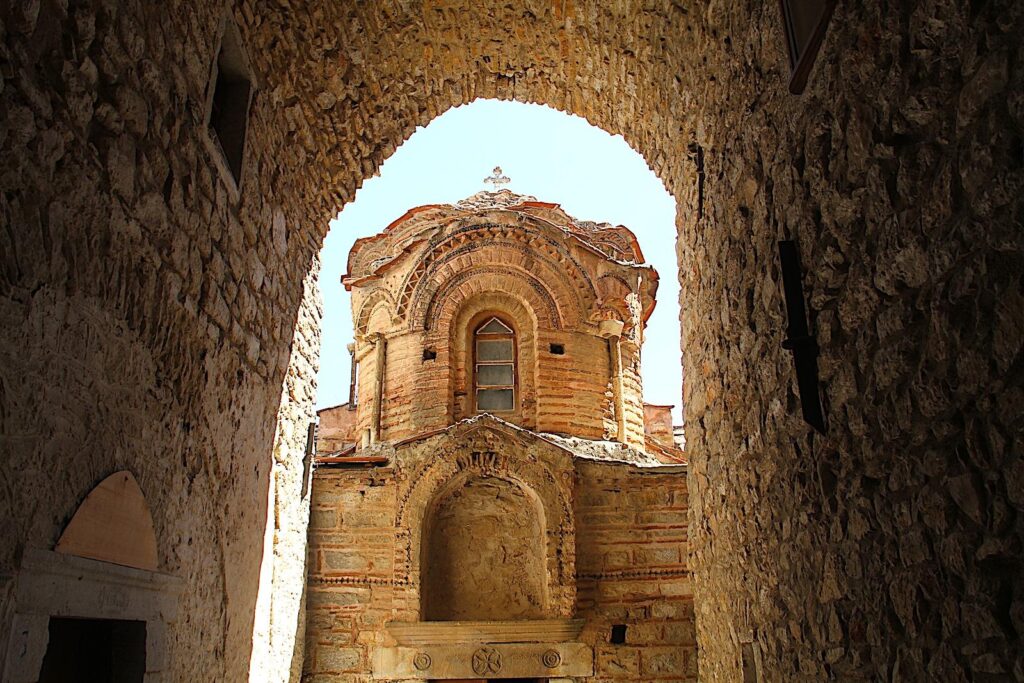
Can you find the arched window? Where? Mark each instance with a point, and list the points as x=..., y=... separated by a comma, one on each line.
x=494, y=375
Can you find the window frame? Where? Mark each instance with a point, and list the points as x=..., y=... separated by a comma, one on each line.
x=476, y=362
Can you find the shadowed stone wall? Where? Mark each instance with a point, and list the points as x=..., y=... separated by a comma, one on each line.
x=148, y=308
x=892, y=547
x=147, y=316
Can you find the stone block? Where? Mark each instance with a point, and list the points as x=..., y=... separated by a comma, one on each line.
x=330, y=658
x=618, y=662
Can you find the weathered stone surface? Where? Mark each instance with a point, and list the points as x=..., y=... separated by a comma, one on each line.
x=859, y=554
x=898, y=171
x=489, y=522
x=483, y=556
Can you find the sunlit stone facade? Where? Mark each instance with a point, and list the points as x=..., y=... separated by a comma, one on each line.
x=492, y=505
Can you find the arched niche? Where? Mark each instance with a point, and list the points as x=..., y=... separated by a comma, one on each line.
x=375, y=313
x=490, y=448
x=483, y=553
x=99, y=585
x=113, y=524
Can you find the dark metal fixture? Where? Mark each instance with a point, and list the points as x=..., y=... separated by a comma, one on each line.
x=800, y=341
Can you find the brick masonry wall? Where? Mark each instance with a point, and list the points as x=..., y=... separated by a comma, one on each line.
x=631, y=569
x=548, y=287
x=351, y=566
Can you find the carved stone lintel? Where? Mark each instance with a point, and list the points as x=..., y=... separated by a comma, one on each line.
x=486, y=661
x=423, y=633
x=507, y=660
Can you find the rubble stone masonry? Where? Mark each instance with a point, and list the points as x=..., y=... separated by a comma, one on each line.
x=155, y=318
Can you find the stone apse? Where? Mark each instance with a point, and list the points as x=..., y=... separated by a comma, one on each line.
x=158, y=301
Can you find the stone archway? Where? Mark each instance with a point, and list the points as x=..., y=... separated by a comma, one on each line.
x=344, y=155
x=153, y=307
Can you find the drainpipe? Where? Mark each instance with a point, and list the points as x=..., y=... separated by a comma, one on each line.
x=352, y=377
x=612, y=331
x=381, y=345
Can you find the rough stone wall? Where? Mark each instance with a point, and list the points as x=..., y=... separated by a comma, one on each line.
x=277, y=643
x=146, y=312
x=892, y=547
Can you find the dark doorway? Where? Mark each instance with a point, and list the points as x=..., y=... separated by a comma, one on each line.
x=94, y=651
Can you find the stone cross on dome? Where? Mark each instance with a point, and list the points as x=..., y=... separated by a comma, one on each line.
x=497, y=179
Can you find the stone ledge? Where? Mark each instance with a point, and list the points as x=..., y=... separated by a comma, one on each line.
x=476, y=632
x=45, y=574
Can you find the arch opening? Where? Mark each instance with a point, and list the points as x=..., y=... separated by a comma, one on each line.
x=557, y=156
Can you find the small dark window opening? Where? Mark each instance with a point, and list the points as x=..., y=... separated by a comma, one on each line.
x=618, y=634
x=94, y=650
x=558, y=349
x=229, y=113
x=429, y=354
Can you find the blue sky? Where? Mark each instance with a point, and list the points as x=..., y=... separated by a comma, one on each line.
x=548, y=154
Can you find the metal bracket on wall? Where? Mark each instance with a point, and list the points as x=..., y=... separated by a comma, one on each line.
x=800, y=341
x=309, y=457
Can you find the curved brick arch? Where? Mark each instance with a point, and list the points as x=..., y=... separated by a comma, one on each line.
x=506, y=281
x=380, y=296
x=531, y=242
x=608, y=284
x=455, y=319
x=449, y=294
x=490, y=451
x=335, y=119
